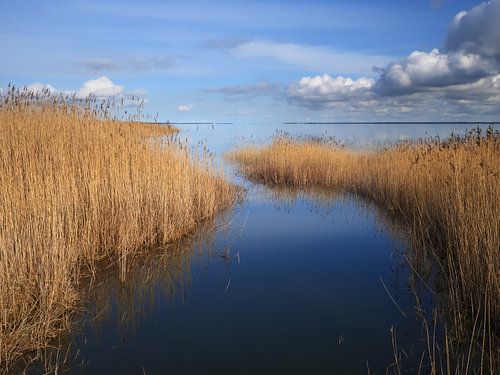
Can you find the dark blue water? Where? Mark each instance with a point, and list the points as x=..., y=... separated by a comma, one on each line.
x=287, y=283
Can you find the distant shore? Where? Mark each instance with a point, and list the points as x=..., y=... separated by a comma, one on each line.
x=392, y=122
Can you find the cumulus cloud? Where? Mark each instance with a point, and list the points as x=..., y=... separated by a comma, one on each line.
x=422, y=70
x=463, y=77
x=477, y=31
x=100, y=88
x=325, y=90
x=471, y=53
x=185, y=107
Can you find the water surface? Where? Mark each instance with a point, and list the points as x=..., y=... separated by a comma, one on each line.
x=290, y=282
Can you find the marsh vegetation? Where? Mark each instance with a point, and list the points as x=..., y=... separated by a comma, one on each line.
x=447, y=195
x=98, y=258
x=79, y=189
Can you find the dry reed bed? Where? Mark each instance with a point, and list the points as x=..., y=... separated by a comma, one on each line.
x=76, y=189
x=447, y=193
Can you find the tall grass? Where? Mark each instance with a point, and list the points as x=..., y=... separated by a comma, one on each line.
x=77, y=188
x=447, y=193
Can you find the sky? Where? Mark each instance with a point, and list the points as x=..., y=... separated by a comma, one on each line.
x=262, y=61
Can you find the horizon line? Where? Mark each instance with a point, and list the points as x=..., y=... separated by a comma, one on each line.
x=389, y=122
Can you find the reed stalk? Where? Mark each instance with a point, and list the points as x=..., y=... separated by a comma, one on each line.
x=78, y=188
x=447, y=194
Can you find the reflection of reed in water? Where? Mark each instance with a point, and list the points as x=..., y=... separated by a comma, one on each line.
x=324, y=201
x=445, y=196
x=161, y=272
x=151, y=275
x=425, y=280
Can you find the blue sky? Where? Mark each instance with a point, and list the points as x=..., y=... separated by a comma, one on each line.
x=263, y=61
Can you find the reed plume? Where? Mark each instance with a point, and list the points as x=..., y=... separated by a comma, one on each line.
x=77, y=188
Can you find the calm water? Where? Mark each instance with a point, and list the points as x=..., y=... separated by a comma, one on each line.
x=290, y=282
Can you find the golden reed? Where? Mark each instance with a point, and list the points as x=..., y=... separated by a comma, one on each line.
x=447, y=193
x=77, y=188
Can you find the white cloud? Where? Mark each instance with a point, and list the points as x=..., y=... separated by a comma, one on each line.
x=311, y=57
x=461, y=79
x=185, y=107
x=101, y=87
x=421, y=70
x=360, y=97
x=325, y=90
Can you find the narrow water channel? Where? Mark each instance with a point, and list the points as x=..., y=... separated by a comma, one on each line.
x=289, y=283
